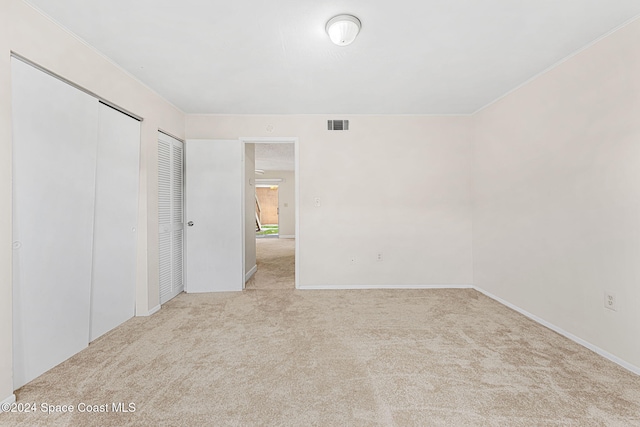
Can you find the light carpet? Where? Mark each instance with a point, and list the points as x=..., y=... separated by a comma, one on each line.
x=276, y=264
x=283, y=357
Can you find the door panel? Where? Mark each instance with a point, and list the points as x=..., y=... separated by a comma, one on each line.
x=214, y=174
x=54, y=165
x=116, y=215
x=170, y=216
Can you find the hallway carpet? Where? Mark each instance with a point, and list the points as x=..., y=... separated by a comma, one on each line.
x=276, y=264
x=283, y=357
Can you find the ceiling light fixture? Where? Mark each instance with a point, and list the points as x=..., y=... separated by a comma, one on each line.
x=343, y=29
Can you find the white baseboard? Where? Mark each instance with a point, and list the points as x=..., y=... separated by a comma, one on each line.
x=578, y=340
x=287, y=236
x=338, y=287
x=150, y=312
x=250, y=273
x=11, y=399
x=154, y=310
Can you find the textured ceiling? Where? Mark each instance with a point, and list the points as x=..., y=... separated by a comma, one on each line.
x=274, y=57
x=275, y=157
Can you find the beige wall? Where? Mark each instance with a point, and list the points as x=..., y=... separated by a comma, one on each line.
x=286, y=200
x=29, y=34
x=557, y=195
x=422, y=165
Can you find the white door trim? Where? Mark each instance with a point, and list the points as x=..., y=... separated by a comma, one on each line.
x=282, y=140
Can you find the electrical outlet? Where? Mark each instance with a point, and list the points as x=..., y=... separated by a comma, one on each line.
x=353, y=259
x=379, y=257
x=316, y=202
x=610, y=301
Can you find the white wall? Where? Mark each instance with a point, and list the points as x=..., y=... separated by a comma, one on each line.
x=557, y=195
x=422, y=166
x=286, y=200
x=33, y=36
x=249, y=211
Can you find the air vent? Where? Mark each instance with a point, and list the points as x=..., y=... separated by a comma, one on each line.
x=338, y=124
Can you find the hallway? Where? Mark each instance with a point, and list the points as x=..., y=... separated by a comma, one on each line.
x=276, y=264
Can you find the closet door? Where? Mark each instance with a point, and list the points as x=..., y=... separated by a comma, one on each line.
x=54, y=161
x=116, y=213
x=170, y=216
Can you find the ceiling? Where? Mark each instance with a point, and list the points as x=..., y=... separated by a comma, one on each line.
x=275, y=156
x=274, y=57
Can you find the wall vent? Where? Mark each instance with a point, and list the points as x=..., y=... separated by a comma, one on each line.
x=338, y=124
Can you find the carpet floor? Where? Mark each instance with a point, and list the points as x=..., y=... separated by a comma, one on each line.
x=276, y=264
x=267, y=357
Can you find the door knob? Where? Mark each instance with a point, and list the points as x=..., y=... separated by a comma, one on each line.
x=190, y=223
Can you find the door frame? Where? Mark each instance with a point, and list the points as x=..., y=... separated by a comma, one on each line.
x=296, y=173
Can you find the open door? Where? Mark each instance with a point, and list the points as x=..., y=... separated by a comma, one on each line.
x=215, y=222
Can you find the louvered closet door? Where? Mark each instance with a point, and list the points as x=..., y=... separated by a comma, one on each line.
x=54, y=164
x=170, y=216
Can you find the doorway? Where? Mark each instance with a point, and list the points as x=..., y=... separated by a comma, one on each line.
x=271, y=213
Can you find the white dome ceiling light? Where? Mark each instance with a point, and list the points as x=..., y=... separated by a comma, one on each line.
x=343, y=29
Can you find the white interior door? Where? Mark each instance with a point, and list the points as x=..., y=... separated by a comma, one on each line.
x=170, y=216
x=116, y=213
x=214, y=252
x=54, y=164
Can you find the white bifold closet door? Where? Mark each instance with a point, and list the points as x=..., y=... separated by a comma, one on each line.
x=116, y=213
x=75, y=185
x=170, y=216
